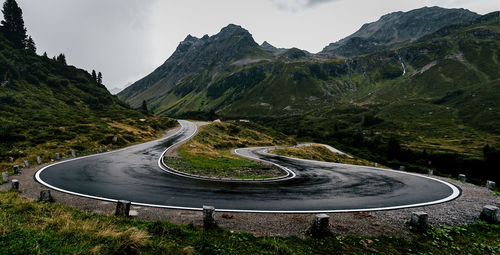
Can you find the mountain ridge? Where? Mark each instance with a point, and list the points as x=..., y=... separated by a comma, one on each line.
x=196, y=54
x=306, y=95
x=395, y=28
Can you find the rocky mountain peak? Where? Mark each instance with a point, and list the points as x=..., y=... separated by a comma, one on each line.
x=190, y=38
x=232, y=31
x=268, y=46
x=397, y=27
x=232, y=43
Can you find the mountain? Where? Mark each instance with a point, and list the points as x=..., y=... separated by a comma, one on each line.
x=47, y=106
x=396, y=28
x=439, y=93
x=268, y=46
x=206, y=55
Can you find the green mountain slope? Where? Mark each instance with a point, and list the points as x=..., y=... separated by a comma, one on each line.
x=47, y=107
x=437, y=96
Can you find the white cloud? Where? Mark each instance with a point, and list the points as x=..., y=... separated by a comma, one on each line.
x=296, y=5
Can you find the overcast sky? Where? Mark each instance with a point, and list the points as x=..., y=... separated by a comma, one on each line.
x=128, y=39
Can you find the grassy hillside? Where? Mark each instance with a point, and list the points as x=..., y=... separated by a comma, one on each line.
x=209, y=152
x=33, y=227
x=436, y=100
x=47, y=106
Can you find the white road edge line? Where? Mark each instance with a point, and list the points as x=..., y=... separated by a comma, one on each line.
x=455, y=194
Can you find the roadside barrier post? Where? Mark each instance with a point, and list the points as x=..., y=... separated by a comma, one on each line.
x=11, y=159
x=58, y=156
x=5, y=177
x=39, y=160
x=16, y=169
x=100, y=149
x=489, y=214
x=402, y=168
x=321, y=225
x=45, y=195
x=15, y=185
x=462, y=177
x=491, y=185
x=73, y=153
x=208, y=217
x=419, y=220
x=122, y=208
x=26, y=163
x=430, y=171
x=375, y=164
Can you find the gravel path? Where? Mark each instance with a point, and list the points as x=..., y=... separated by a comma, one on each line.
x=462, y=210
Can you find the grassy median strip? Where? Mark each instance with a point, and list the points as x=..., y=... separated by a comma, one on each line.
x=209, y=152
x=39, y=228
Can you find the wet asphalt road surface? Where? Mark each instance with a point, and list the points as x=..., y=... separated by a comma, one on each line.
x=133, y=174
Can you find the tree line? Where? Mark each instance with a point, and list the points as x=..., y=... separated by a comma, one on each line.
x=12, y=27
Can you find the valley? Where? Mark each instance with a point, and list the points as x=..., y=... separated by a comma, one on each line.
x=385, y=141
x=433, y=99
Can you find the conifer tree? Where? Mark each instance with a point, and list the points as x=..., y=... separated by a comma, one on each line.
x=99, y=78
x=61, y=59
x=30, y=45
x=144, y=106
x=13, y=24
x=94, y=76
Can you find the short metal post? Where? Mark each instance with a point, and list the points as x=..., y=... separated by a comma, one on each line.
x=15, y=185
x=321, y=225
x=39, y=160
x=491, y=185
x=16, y=169
x=5, y=177
x=208, y=217
x=419, y=220
x=73, y=153
x=122, y=208
x=58, y=156
x=26, y=163
x=462, y=177
x=45, y=195
x=489, y=214
x=430, y=171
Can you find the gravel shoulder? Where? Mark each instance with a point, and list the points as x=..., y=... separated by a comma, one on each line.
x=464, y=209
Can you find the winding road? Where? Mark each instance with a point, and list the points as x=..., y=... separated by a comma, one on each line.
x=136, y=174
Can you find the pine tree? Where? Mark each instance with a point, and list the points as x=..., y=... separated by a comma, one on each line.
x=61, y=59
x=94, y=76
x=13, y=24
x=30, y=45
x=144, y=106
x=99, y=78
x=45, y=55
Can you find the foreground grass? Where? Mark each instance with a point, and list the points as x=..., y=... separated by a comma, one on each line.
x=209, y=152
x=320, y=153
x=37, y=228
